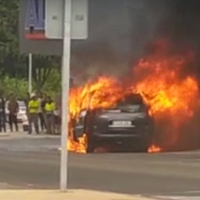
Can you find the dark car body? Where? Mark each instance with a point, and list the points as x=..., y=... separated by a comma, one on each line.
x=128, y=124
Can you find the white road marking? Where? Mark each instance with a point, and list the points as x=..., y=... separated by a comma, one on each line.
x=4, y=185
x=191, y=192
x=181, y=192
x=177, y=195
x=176, y=198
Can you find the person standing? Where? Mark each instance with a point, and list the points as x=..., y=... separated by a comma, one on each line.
x=33, y=106
x=49, y=109
x=13, y=109
x=2, y=112
x=57, y=117
x=27, y=99
x=41, y=111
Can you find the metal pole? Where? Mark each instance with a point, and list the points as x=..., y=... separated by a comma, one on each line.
x=65, y=93
x=30, y=62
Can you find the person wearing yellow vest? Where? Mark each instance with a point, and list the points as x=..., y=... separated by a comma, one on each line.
x=33, y=106
x=49, y=109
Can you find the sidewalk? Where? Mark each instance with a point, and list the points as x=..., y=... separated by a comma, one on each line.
x=57, y=195
x=3, y=135
x=18, y=135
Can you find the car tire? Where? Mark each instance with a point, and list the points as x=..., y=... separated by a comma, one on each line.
x=90, y=145
x=142, y=147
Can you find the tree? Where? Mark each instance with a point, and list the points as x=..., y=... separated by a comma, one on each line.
x=12, y=64
x=52, y=85
x=42, y=68
x=9, y=53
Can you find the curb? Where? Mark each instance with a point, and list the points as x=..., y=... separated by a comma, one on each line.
x=71, y=194
x=25, y=135
x=4, y=135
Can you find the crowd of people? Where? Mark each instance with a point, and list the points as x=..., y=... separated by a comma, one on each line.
x=12, y=106
x=42, y=112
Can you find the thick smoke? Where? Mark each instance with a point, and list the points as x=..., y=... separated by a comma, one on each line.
x=182, y=22
x=120, y=30
x=181, y=26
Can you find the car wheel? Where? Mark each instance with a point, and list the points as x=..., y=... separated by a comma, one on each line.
x=142, y=147
x=90, y=145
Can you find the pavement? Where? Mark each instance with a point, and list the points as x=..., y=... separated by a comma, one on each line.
x=21, y=135
x=32, y=163
x=71, y=194
x=77, y=194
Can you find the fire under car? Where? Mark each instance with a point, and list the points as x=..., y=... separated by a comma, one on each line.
x=127, y=125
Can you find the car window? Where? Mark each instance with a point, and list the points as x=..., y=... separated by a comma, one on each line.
x=83, y=113
x=133, y=108
x=21, y=104
x=82, y=117
x=133, y=99
x=131, y=103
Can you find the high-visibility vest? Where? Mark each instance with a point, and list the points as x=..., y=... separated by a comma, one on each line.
x=49, y=108
x=33, y=106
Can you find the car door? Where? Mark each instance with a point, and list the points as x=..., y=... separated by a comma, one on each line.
x=80, y=124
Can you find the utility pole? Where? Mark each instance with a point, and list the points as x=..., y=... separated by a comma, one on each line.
x=65, y=93
x=30, y=68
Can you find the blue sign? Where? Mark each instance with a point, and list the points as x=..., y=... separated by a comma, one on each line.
x=35, y=19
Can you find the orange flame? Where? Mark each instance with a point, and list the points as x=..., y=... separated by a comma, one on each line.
x=103, y=93
x=79, y=146
x=171, y=96
x=154, y=149
x=163, y=89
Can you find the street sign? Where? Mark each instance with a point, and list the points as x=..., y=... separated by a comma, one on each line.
x=35, y=46
x=54, y=13
x=35, y=19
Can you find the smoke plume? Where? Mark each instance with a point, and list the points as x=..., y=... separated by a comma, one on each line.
x=120, y=32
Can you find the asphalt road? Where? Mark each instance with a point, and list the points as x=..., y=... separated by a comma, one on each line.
x=34, y=163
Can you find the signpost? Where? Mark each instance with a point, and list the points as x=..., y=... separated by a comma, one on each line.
x=67, y=25
x=34, y=43
x=54, y=19
x=35, y=19
x=65, y=93
x=46, y=27
x=30, y=68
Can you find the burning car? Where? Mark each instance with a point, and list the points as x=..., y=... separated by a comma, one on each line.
x=167, y=85
x=126, y=124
